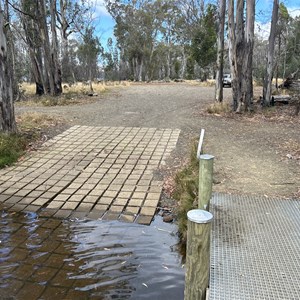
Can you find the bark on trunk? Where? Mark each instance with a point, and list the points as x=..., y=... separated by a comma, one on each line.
x=7, y=116
x=267, y=89
x=183, y=63
x=231, y=43
x=220, y=54
x=33, y=42
x=248, y=61
x=54, y=50
x=66, y=70
x=50, y=67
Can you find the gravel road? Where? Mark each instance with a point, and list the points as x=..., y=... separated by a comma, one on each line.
x=249, y=156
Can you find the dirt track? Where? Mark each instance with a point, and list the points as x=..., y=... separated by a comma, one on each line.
x=251, y=155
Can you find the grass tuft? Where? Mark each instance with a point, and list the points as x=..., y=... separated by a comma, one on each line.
x=186, y=191
x=31, y=127
x=12, y=146
x=219, y=108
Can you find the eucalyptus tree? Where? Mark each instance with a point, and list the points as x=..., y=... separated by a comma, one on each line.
x=88, y=54
x=7, y=116
x=267, y=88
x=136, y=31
x=71, y=19
x=240, y=42
x=220, y=51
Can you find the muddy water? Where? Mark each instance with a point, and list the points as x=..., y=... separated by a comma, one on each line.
x=52, y=259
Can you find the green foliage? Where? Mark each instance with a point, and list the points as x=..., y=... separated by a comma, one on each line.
x=12, y=147
x=88, y=53
x=186, y=191
x=204, y=42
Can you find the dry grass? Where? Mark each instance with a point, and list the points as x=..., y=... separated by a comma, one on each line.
x=219, y=108
x=76, y=89
x=207, y=83
x=36, y=121
x=74, y=94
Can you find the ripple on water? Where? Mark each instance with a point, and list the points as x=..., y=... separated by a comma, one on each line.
x=106, y=260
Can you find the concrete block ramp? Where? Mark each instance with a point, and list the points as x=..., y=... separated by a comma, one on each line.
x=95, y=172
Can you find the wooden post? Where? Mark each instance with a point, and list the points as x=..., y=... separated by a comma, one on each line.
x=197, y=254
x=206, y=164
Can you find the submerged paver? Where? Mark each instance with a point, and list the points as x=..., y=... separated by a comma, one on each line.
x=255, y=251
x=85, y=168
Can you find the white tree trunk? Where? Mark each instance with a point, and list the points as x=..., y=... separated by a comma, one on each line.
x=220, y=54
x=183, y=63
x=249, y=43
x=7, y=116
x=267, y=89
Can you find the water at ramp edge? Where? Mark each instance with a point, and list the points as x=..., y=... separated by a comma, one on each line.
x=52, y=259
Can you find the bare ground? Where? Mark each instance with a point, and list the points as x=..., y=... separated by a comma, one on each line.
x=253, y=154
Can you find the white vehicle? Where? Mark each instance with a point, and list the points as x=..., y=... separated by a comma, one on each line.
x=227, y=80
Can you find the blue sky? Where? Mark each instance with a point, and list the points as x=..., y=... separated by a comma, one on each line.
x=105, y=24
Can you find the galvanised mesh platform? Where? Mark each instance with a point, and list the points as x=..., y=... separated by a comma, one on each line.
x=255, y=251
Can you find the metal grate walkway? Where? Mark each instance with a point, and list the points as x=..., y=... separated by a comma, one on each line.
x=255, y=250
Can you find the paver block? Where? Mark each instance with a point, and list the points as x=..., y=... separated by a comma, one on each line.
x=135, y=202
x=144, y=220
x=70, y=205
x=148, y=211
x=132, y=210
x=127, y=218
x=110, y=216
x=151, y=203
x=63, y=214
x=85, y=207
x=117, y=209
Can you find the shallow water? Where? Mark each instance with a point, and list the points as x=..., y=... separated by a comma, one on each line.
x=52, y=259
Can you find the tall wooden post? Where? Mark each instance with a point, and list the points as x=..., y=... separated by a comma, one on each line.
x=198, y=254
x=206, y=164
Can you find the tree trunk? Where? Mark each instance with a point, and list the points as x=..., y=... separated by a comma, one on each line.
x=33, y=42
x=183, y=63
x=54, y=50
x=239, y=53
x=66, y=70
x=140, y=70
x=7, y=116
x=231, y=46
x=49, y=67
x=248, y=61
x=168, y=71
x=220, y=54
x=267, y=89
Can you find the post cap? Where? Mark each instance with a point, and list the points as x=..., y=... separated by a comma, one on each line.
x=199, y=216
x=206, y=156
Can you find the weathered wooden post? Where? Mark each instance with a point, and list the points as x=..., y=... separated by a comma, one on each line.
x=198, y=254
x=206, y=164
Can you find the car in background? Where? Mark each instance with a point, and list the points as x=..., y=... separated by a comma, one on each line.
x=227, y=80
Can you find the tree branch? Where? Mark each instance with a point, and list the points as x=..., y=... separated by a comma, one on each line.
x=20, y=11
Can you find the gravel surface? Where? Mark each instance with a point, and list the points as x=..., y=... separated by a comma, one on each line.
x=251, y=157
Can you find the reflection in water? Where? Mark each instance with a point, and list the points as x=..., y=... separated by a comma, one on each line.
x=53, y=259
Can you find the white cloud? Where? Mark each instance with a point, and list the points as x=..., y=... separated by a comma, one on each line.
x=262, y=30
x=100, y=8
x=294, y=11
